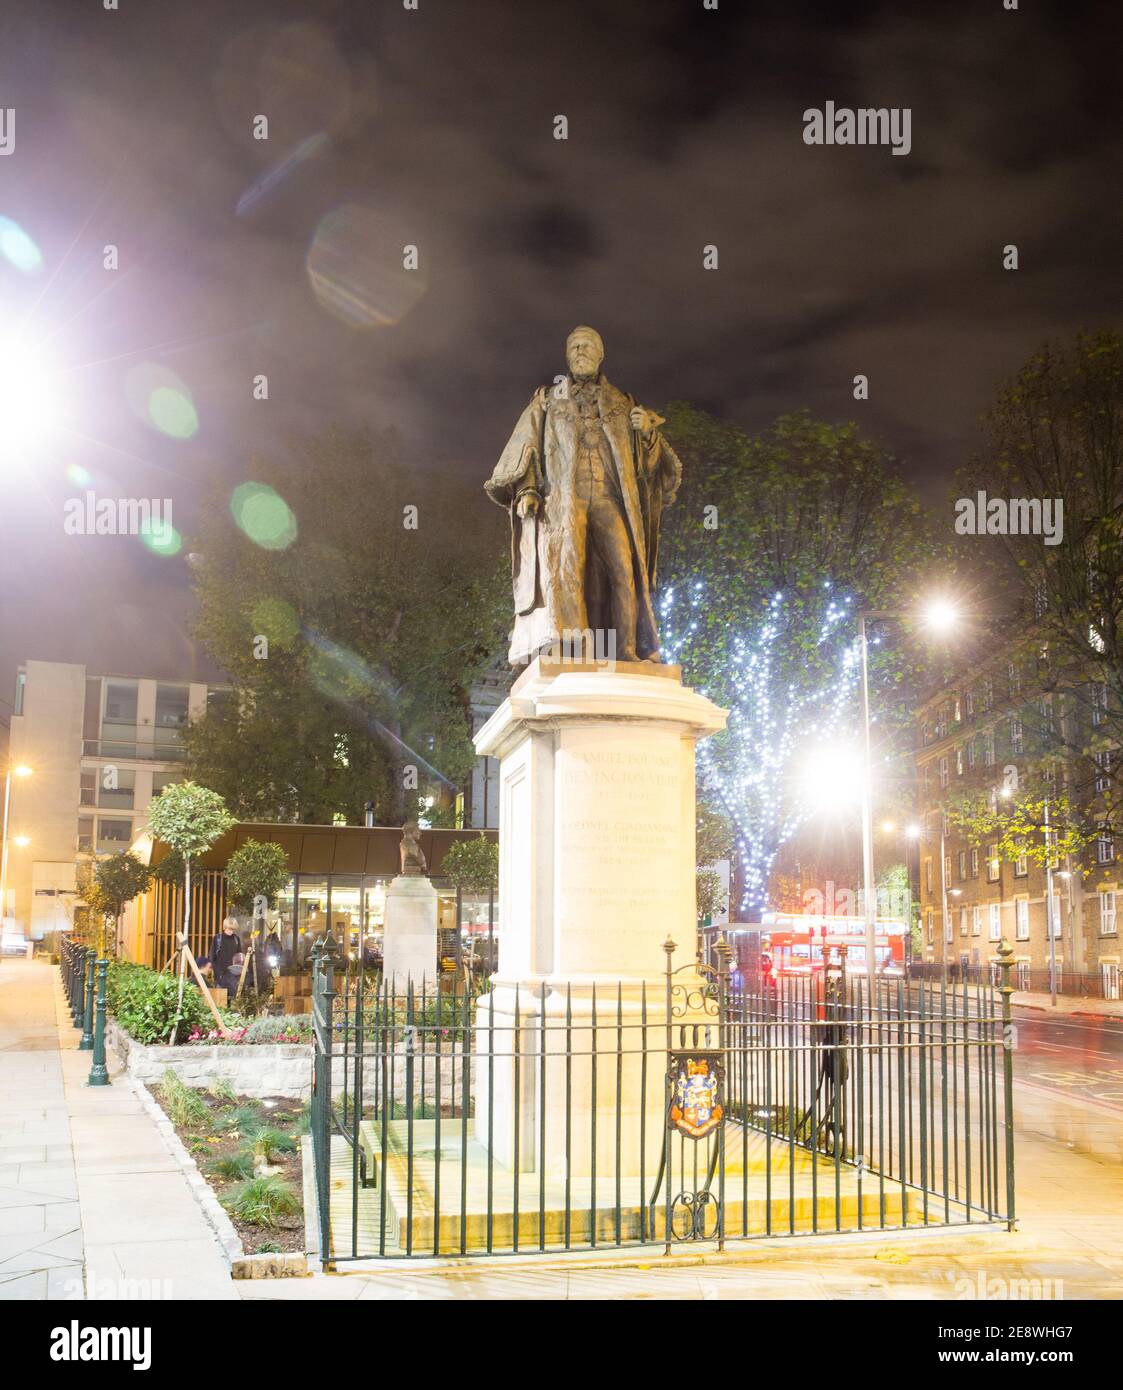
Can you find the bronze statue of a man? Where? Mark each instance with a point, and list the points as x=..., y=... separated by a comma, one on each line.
x=585, y=475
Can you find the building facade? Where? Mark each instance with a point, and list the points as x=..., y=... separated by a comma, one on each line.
x=998, y=729
x=98, y=747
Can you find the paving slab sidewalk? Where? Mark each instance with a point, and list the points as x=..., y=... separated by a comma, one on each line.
x=92, y=1203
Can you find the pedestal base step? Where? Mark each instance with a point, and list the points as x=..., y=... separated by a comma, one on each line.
x=425, y=1200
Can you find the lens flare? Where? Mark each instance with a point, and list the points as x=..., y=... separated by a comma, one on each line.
x=24, y=396
x=263, y=515
x=17, y=247
x=357, y=266
x=162, y=400
x=160, y=537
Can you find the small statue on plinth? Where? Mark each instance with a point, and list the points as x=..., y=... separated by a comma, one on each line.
x=413, y=856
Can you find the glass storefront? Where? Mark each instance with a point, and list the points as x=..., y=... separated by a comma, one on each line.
x=353, y=907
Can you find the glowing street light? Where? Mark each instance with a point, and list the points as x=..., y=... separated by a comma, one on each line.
x=938, y=614
x=913, y=831
x=24, y=396
x=21, y=841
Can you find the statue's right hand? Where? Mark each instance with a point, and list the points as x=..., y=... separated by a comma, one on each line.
x=527, y=505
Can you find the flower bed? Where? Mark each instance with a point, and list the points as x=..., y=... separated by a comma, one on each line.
x=248, y=1151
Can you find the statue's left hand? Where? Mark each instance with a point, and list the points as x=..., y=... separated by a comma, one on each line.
x=644, y=420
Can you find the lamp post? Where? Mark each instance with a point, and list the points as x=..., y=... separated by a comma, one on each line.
x=939, y=615
x=21, y=770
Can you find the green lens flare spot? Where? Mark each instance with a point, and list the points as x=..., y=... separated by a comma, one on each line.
x=264, y=516
x=172, y=412
x=160, y=537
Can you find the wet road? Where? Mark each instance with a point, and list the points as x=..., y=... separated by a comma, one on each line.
x=1077, y=1059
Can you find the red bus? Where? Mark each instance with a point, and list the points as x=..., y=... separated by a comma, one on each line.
x=793, y=944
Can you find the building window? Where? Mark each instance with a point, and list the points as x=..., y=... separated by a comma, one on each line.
x=1099, y=703
x=928, y=921
x=974, y=863
x=944, y=770
x=1015, y=735
x=120, y=796
x=994, y=871
x=118, y=720
x=947, y=926
x=113, y=835
x=963, y=921
x=987, y=694
x=1103, y=772
x=976, y=921
x=1013, y=679
x=947, y=867
x=1021, y=969
x=969, y=702
x=994, y=928
x=21, y=690
x=962, y=864
x=1021, y=866
x=85, y=834
x=988, y=748
x=1021, y=918
x=971, y=755
x=1105, y=849
x=160, y=780
x=959, y=762
x=171, y=712
x=88, y=793
x=928, y=876
x=1107, y=912
x=1109, y=975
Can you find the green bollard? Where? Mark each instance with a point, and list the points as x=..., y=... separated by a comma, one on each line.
x=99, y=1072
x=87, y=1041
x=77, y=1003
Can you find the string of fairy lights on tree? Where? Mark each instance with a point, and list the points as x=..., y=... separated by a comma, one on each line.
x=789, y=682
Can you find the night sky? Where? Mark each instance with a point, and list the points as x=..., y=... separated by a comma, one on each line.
x=435, y=127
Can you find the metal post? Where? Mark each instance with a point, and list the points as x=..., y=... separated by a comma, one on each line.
x=1050, y=923
x=1006, y=962
x=77, y=1002
x=87, y=1041
x=99, y=1072
x=869, y=894
x=4, y=847
x=944, y=918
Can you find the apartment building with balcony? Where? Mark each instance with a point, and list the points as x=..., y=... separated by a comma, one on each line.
x=999, y=725
x=99, y=748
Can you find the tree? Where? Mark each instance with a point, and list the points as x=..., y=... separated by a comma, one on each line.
x=1056, y=435
x=773, y=545
x=108, y=886
x=1033, y=824
x=255, y=874
x=352, y=620
x=473, y=864
x=190, y=819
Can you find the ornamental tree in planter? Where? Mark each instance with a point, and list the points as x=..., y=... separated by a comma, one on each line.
x=255, y=873
x=189, y=818
x=108, y=886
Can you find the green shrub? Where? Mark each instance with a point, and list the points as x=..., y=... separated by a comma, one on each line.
x=220, y=1089
x=182, y=1105
x=269, y=1143
x=247, y=1119
x=237, y=1166
x=144, y=1004
x=262, y=1201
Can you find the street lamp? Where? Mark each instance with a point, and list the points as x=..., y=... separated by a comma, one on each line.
x=20, y=770
x=939, y=614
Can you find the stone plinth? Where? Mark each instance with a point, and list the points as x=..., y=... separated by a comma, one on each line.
x=409, y=934
x=596, y=870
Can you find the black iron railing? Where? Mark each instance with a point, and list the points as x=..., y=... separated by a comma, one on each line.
x=577, y=1117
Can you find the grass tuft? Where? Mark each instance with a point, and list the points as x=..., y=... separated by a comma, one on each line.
x=262, y=1201
x=185, y=1107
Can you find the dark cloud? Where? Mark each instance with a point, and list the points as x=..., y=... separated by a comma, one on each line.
x=685, y=130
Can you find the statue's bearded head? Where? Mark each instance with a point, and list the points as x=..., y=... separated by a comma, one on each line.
x=584, y=352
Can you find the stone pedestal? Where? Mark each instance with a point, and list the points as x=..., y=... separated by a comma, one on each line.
x=409, y=934
x=596, y=870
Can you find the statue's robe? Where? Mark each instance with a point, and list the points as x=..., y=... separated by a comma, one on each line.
x=555, y=591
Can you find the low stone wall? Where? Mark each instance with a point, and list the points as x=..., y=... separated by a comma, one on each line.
x=250, y=1069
